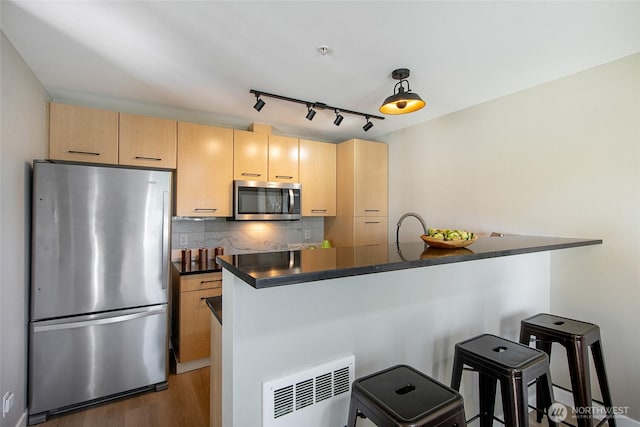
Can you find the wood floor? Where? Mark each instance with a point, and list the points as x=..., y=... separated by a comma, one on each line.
x=184, y=403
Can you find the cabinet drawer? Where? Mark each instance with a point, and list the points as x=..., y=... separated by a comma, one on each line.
x=197, y=282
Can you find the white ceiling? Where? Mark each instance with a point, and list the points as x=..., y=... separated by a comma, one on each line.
x=197, y=60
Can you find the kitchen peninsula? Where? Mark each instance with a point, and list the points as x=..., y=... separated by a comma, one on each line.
x=286, y=312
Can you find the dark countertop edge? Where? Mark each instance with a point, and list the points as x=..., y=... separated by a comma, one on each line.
x=215, y=305
x=293, y=279
x=212, y=267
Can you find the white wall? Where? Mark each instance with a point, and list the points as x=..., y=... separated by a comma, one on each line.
x=559, y=159
x=23, y=115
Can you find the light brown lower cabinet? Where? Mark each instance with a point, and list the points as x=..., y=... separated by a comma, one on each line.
x=369, y=230
x=191, y=329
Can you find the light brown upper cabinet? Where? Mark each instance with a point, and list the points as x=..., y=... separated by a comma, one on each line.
x=147, y=141
x=283, y=159
x=250, y=155
x=205, y=171
x=361, y=211
x=83, y=134
x=318, y=178
x=370, y=177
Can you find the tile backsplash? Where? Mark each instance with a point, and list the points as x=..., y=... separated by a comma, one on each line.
x=237, y=237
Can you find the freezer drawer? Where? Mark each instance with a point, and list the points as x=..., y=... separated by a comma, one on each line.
x=75, y=360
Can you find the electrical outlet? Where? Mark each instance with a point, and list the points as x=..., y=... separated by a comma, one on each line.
x=7, y=403
x=184, y=239
x=307, y=234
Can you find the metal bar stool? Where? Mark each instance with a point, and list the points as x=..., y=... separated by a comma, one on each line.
x=576, y=337
x=514, y=365
x=402, y=396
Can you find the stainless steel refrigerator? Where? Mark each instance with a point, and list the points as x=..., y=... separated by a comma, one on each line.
x=100, y=272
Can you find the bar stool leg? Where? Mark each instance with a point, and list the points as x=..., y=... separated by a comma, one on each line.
x=598, y=361
x=580, y=380
x=487, y=399
x=456, y=373
x=353, y=413
x=546, y=397
x=542, y=389
x=514, y=403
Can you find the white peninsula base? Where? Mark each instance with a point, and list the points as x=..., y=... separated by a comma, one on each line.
x=411, y=316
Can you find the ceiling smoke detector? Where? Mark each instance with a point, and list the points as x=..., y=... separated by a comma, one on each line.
x=324, y=49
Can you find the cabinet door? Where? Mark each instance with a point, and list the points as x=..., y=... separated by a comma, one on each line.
x=204, y=174
x=250, y=155
x=370, y=230
x=147, y=141
x=195, y=332
x=370, y=179
x=318, y=178
x=83, y=134
x=283, y=159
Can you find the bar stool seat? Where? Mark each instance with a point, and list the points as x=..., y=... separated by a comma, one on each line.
x=576, y=337
x=514, y=365
x=402, y=396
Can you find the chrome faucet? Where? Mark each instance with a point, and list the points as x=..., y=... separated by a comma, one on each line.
x=415, y=215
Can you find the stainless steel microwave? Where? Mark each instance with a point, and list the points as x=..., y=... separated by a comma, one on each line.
x=259, y=200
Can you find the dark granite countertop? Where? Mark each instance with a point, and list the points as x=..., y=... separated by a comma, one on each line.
x=195, y=268
x=267, y=269
x=215, y=305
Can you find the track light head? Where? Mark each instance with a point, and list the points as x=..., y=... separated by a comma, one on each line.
x=339, y=118
x=259, y=103
x=367, y=125
x=311, y=113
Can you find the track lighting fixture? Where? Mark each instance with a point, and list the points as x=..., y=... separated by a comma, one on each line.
x=402, y=101
x=259, y=102
x=367, y=125
x=311, y=113
x=312, y=108
x=339, y=118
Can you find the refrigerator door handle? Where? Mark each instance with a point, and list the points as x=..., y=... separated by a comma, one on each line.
x=92, y=321
x=165, y=239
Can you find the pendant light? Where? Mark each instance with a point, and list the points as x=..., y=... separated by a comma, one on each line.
x=402, y=101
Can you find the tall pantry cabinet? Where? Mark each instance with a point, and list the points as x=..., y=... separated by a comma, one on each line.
x=362, y=195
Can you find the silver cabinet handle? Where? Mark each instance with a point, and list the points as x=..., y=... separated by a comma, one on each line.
x=284, y=177
x=83, y=152
x=205, y=209
x=250, y=174
x=157, y=159
x=372, y=210
x=372, y=222
x=318, y=210
x=202, y=282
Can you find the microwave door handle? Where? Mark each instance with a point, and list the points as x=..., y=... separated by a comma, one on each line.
x=291, y=201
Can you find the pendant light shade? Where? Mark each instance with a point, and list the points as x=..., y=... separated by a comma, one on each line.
x=402, y=101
